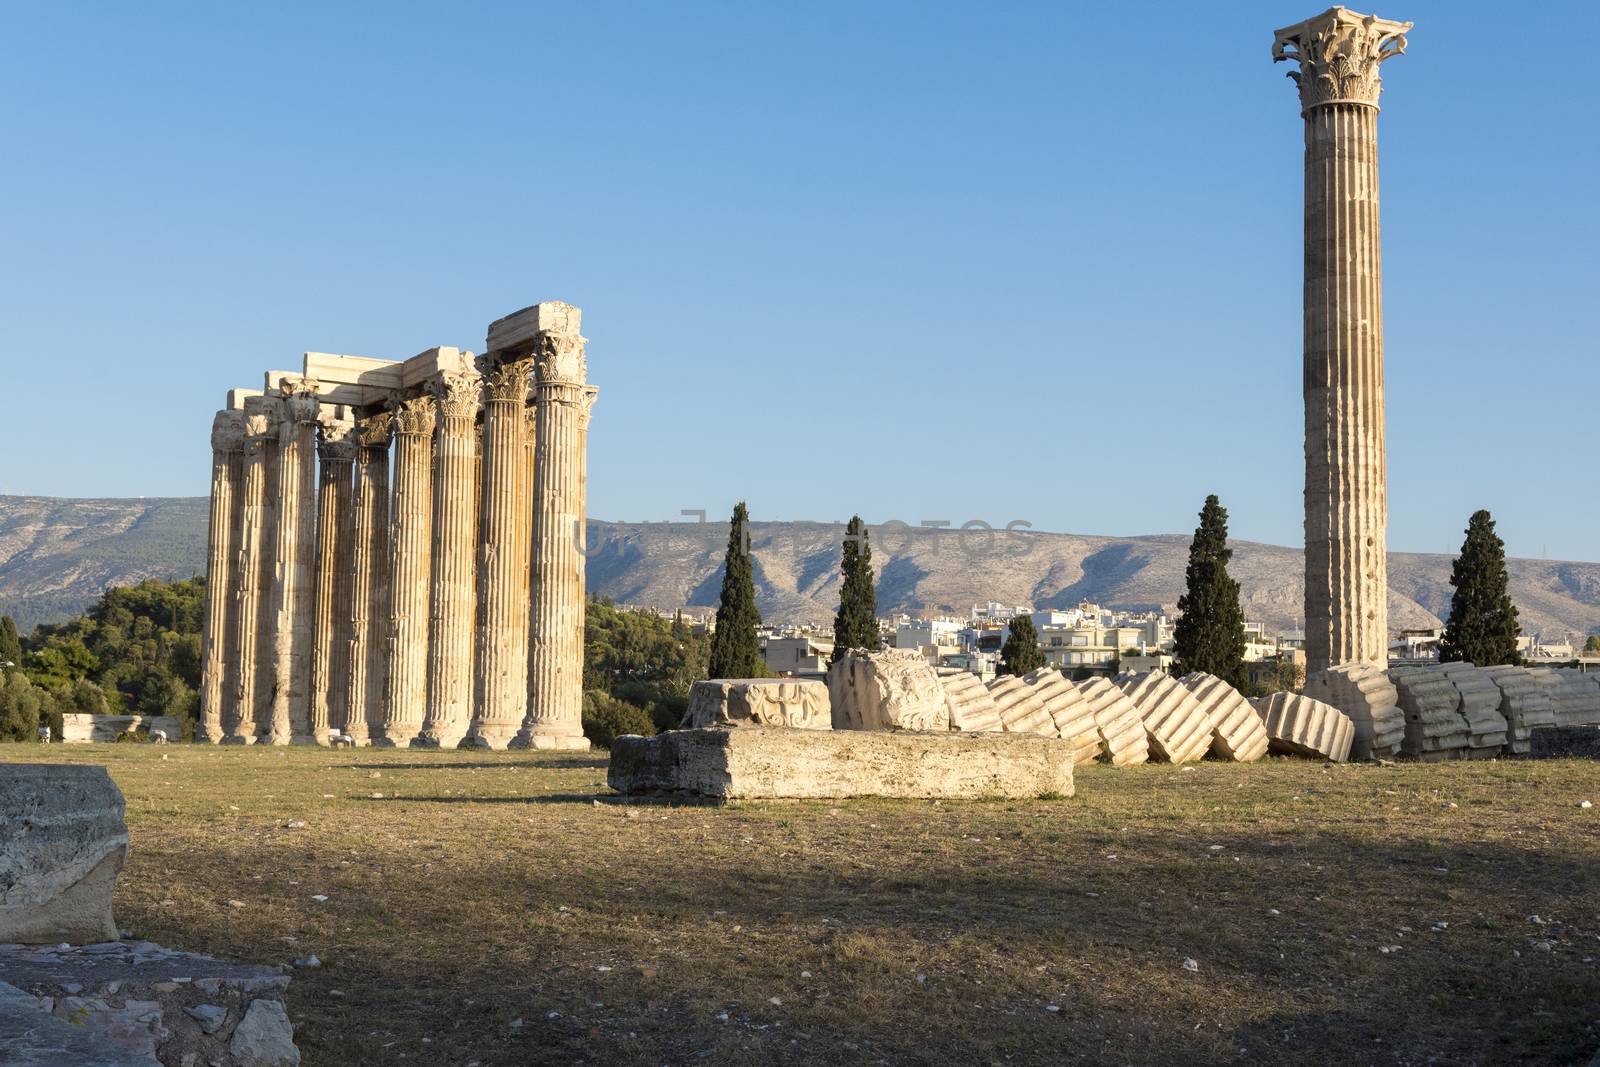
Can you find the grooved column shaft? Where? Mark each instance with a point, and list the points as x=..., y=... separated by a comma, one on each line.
x=292, y=591
x=411, y=547
x=1345, y=497
x=369, y=581
x=330, y=652
x=257, y=528
x=501, y=674
x=227, y=471
x=451, y=616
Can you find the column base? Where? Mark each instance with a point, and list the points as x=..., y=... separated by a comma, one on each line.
x=396, y=737
x=490, y=736
x=235, y=739
x=438, y=739
x=564, y=741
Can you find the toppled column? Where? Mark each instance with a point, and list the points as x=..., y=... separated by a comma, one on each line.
x=369, y=591
x=1123, y=741
x=1021, y=708
x=1298, y=725
x=1523, y=703
x=455, y=532
x=1071, y=716
x=971, y=708
x=249, y=705
x=405, y=681
x=1434, y=727
x=1238, y=733
x=227, y=474
x=292, y=591
x=550, y=331
x=1178, y=728
x=1369, y=700
x=330, y=648
x=1346, y=602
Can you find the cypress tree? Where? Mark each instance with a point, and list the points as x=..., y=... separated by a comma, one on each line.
x=1483, y=622
x=1020, y=654
x=735, y=648
x=855, y=625
x=10, y=641
x=1209, y=635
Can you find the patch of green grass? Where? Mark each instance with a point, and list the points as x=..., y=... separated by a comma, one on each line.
x=485, y=908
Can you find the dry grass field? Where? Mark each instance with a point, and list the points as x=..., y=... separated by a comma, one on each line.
x=498, y=909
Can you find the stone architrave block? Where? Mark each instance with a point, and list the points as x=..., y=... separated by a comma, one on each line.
x=1070, y=714
x=1524, y=704
x=802, y=704
x=1369, y=699
x=836, y=764
x=1299, y=725
x=1238, y=733
x=1480, y=705
x=1178, y=727
x=1123, y=741
x=972, y=709
x=1022, y=709
x=62, y=842
x=895, y=689
x=1434, y=728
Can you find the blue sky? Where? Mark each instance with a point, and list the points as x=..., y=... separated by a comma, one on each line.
x=920, y=261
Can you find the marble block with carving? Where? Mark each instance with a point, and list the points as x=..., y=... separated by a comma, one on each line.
x=895, y=689
x=802, y=704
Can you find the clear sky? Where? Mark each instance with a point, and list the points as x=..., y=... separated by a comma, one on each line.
x=916, y=260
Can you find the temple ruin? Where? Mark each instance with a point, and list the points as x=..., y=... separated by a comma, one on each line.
x=396, y=547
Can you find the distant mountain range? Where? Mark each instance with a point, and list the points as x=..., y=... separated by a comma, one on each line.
x=57, y=556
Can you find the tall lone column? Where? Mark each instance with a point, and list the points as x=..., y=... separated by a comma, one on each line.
x=227, y=472
x=251, y=576
x=292, y=591
x=369, y=579
x=455, y=521
x=1347, y=589
x=330, y=648
x=555, y=673
x=500, y=677
x=405, y=691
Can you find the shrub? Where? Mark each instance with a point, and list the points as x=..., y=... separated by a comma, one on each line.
x=605, y=718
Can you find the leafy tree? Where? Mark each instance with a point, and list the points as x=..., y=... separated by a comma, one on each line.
x=23, y=707
x=855, y=625
x=735, y=647
x=1021, y=654
x=10, y=641
x=605, y=718
x=642, y=659
x=1593, y=644
x=1482, y=628
x=1209, y=634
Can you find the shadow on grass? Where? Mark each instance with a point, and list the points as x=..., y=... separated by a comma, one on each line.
x=559, y=765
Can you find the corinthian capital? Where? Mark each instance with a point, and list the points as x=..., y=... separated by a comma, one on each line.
x=560, y=357
x=458, y=393
x=591, y=393
x=300, y=399
x=1339, y=53
x=415, y=416
x=262, y=414
x=506, y=380
x=227, y=431
x=336, y=440
x=372, y=432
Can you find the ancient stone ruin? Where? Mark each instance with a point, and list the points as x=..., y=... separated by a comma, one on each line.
x=431, y=597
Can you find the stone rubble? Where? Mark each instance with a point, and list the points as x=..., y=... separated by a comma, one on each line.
x=1370, y=700
x=1299, y=725
x=1123, y=741
x=1238, y=733
x=1178, y=727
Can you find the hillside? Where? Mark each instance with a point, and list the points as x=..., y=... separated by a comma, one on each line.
x=56, y=556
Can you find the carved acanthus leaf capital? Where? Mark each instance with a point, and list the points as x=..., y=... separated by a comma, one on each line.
x=336, y=441
x=1339, y=53
x=227, y=431
x=591, y=393
x=373, y=431
x=300, y=399
x=560, y=357
x=508, y=380
x=415, y=416
x=458, y=392
x=262, y=415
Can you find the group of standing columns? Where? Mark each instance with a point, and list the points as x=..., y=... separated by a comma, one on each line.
x=435, y=599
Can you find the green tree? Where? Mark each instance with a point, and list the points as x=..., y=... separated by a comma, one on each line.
x=22, y=707
x=1482, y=628
x=1209, y=634
x=735, y=647
x=10, y=642
x=642, y=659
x=1020, y=654
x=1593, y=644
x=855, y=625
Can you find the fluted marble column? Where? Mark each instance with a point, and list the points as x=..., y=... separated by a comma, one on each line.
x=250, y=704
x=369, y=579
x=330, y=649
x=227, y=472
x=555, y=712
x=292, y=589
x=500, y=681
x=451, y=610
x=1346, y=503
x=410, y=561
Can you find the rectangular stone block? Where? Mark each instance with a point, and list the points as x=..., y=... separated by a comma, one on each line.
x=800, y=703
x=520, y=327
x=813, y=764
